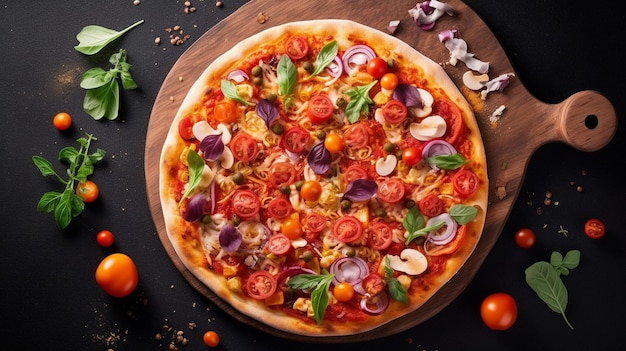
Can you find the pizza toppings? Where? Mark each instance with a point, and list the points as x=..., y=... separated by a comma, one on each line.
x=426, y=13
x=458, y=52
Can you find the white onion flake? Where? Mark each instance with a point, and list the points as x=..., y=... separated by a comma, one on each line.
x=426, y=13
x=458, y=52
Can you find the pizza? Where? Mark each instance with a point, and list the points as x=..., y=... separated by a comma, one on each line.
x=323, y=178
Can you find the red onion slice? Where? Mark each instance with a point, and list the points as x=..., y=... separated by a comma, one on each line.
x=290, y=272
x=437, y=147
x=442, y=236
x=355, y=56
x=350, y=270
x=334, y=69
x=375, y=305
x=238, y=76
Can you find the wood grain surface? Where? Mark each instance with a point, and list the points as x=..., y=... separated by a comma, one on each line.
x=586, y=121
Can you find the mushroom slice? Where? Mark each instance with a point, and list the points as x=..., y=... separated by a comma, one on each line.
x=384, y=166
x=475, y=82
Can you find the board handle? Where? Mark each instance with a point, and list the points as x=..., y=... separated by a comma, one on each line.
x=587, y=120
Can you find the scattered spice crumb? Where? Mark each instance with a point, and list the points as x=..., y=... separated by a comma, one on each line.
x=171, y=98
x=262, y=18
x=495, y=115
x=501, y=190
x=180, y=79
x=219, y=4
x=157, y=40
x=539, y=210
x=136, y=2
x=562, y=231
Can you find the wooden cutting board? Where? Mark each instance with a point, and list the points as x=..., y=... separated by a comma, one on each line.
x=586, y=120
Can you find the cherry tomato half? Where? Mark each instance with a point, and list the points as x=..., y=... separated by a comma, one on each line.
x=499, y=311
x=211, y=338
x=380, y=235
x=465, y=182
x=373, y=283
x=62, y=121
x=244, y=147
x=278, y=244
x=314, y=222
x=377, y=67
x=320, y=108
x=282, y=173
x=594, y=228
x=295, y=139
x=431, y=205
x=353, y=173
x=226, y=112
x=357, y=136
x=389, y=81
x=279, y=208
x=117, y=275
x=391, y=190
x=261, y=285
x=246, y=204
x=105, y=238
x=348, y=229
x=343, y=292
x=88, y=190
x=185, y=128
x=311, y=190
x=411, y=155
x=297, y=47
x=394, y=111
x=525, y=238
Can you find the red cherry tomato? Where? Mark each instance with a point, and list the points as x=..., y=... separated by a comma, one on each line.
x=185, y=128
x=246, y=204
x=105, y=238
x=594, y=228
x=261, y=285
x=377, y=67
x=117, y=275
x=226, y=111
x=297, y=47
x=380, y=235
x=244, y=147
x=211, y=338
x=391, y=190
x=525, y=238
x=431, y=205
x=314, y=222
x=282, y=173
x=278, y=244
x=295, y=139
x=62, y=121
x=465, y=182
x=357, y=136
x=348, y=229
x=373, y=283
x=320, y=108
x=279, y=208
x=499, y=311
x=394, y=111
x=411, y=155
x=353, y=173
x=311, y=190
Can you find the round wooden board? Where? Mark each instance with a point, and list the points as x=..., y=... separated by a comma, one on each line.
x=525, y=118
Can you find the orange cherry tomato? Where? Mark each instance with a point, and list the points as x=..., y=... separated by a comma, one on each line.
x=226, y=112
x=88, y=190
x=333, y=143
x=311, y=190
x=105, y=238
x=291, y=227
x=525, y=238
x=377, y=67
x=343, y=292
x=389, y=81
x=499, y=311
x=62, y=121
x=211, y=338
x=117, y=275
x=594, y=228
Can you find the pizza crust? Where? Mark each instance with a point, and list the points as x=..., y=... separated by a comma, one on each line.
x=186, y=240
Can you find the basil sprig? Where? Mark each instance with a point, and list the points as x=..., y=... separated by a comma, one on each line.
x=196, y=166
x=325, y=57
x=544, y=278
x=448, y=162
x=359, y=101
x=320, y=283
x=414, y=222
x=396, y=290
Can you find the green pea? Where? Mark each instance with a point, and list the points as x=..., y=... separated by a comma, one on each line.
x=278, y=128
x=238, y=177
x=308, y=66
x=307, y=255
x=350, y=251
x=272, y=97
x=380, y=212
x=389, y=147
x=206, y=219
x=236, y=220
x=257, y=80
x=320, y=134
x=391, y=63
x=257, y=71
x=409, y=203
x=285, y=189
x=345, y=204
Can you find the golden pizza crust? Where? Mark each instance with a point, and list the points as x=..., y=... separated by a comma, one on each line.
x=186, y=240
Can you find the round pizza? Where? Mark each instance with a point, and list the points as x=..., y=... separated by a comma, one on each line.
x=324, y=178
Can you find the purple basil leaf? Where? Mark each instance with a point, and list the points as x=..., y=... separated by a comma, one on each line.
x=230, y=238
x=319, y=159
x=360, y=190
x=195, y=208
x=267, y=111
x=408, y=95
x=212, y=146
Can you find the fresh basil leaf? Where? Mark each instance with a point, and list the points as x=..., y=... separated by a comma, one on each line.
x=320, y=283
x=413, y=221
x=571, y=259
x=359, y=101
x=396, y=290
x=97, y=156
x=127, y=81
x=287, y=76
x=463, y=214
x=77, y=204
x=325, y=57
x=544, y=280
x=95, y=78
x=424, y=231
x=319, y=158
x=45, y=167
x=267, y=111
x=196, y=166
x=85, y=169
x=212, y=146
x=103, y=101
x=69, y=155
x=92, y=39
x=230, y=91
x=448, y=162
x=361, y=190
x=63, y=210
x=48, y=201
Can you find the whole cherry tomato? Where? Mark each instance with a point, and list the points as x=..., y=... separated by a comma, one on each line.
x=411, y=155
x=377, y=67
x=389, y=81
x=88, y=190
x=62, y=121
x=525, y=238
x=311, y=190
x=499, y=311
x=105, y=238
x=117, y=275
x=343, y=292
x=594, y=228
x=211, y=338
